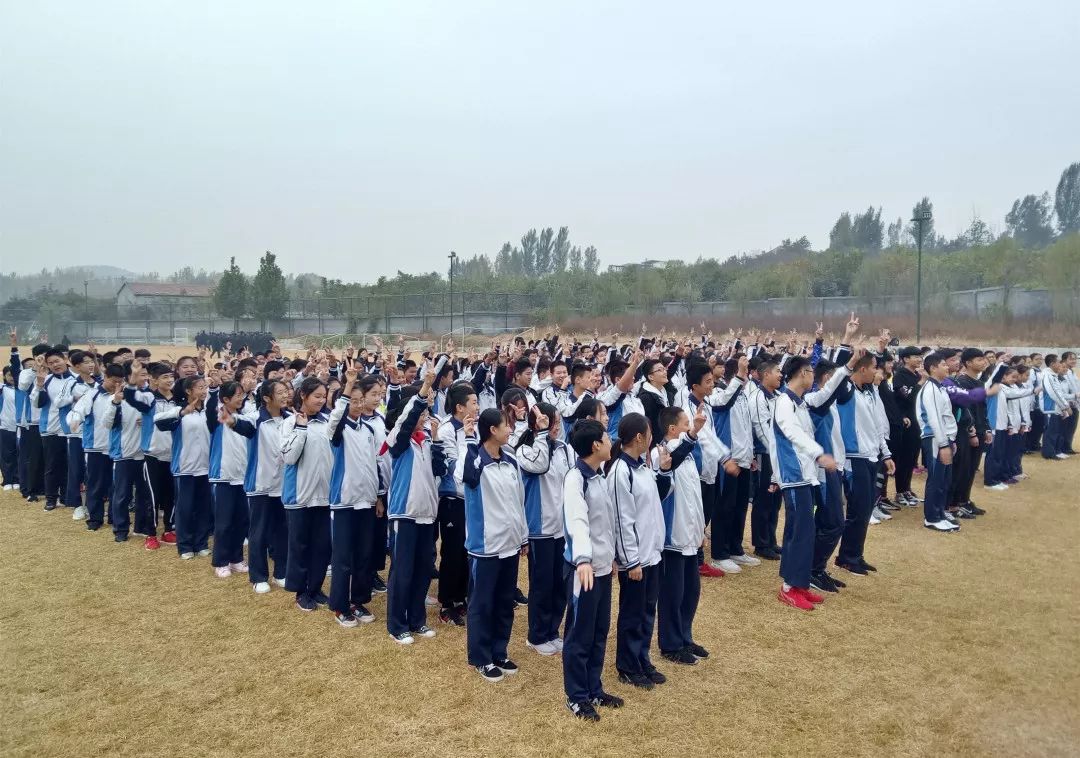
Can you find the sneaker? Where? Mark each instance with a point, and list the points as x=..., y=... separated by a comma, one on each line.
x=362, y=614
x=33, y=499
x=222, y=572
x=558, y=643
x=203, y=553
x=793, y=598
x=452, y=616
x=606, y=700
x=430, y=602
x=520, y=598
x=697, y=651
x=919, y=470
x=490, y=672
x=507, y=666
x=887, y=505
x=949, y=517
x=636, y=680
x=78, y=514
x=50, y=506
x=120, y=538
x=727, y=565
x=854, y=568
x=544, y=648
x=261, y=588
x=151, y=543
x=813, y=597
x=7, y=488
x=1021, y=476
x=402, y=639
x=655, y=676
x=347, y=620
x=1061, y=456
x=746, y=560
x=822, y=582
x=583, y=711
x=874, y=520
x=424, y=631
x=975, y=509
x=682, y=657
x=963, y=512
x=279, y=582
x=881, y=515
x=239, y=568
x=305, y=603
x=915, y=499
x=15, y=487
x=999, y=487
x=169, y=538
x=866, y=566
x=767, y=553
x=320, y=598
x=708, y=570
x=941, y=526
x=378, y=586
x=186, y=556
x=834, y=580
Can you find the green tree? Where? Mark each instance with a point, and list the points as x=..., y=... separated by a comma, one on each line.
x=923, y=206
x=231, y=292
x=867, y=231
x=543, y=252
x=1067, y=200
x=529, y=244
x=560, y=250
x=590, y=260
x=269, y=291
x=1029, y=221
x=842, y=235
x=575, y=258
x=895, y=234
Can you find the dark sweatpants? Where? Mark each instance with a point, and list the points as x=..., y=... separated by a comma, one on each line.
x=9, y=457
x=680, y=590
x=965, y=466
x=350, y=580
x=637, y=617
x=54, y=450
x=412, y=548
x=734, y=499
x=765, y=512
x=454, y=566
x=491, y=608
x=859, y=507
x=230, y=524
x=588, y=620
x=547, y=590
x=309, y=549
x=31, y=462
x=828, y=520
x=799, y=536
x=268, y=532
x=76, y=473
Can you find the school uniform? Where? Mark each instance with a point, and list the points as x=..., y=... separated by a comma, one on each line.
x=27, y=417
x=1069, y=424
x=966, y=466
x=157, y=463
x=765, y=511
x=190, y=469
x=412, y=509
x=709, y=452
x=731, y=411
x=938, y=430
x=9, y=436
x=88, y=415
x=309, y=459
x=496, y=532
x=76, y=460
x=354, y=488
x=998, y=468
x=380, y=536
x=1056, y=402
x=636, y=491
x=1033, y=438
x=52, y=400
x=544, y=465
x=268, y=532
x=124, y=421
x=907, y=444
x=454, y=563
x=228, y=467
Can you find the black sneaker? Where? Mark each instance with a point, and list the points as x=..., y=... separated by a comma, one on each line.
x=697, y=650
x=452, y=616
x=519, y=597
x=320, y=598
x=655, y=676
x=866, y=565
x=854, y=568
x=378, y=586
x=682, y=657
x=605, y=700
x=305, y=603
x=120, y=538
x=885, y=504
x=362, y=614
x=490, y=672
x=507, y=666
x=767, y=553
x=636, y=680
x=50, y=506
x=33, y=499
x=347, y=620
x=821, y=582
x=975, y=509
x=834, y=580
x=964, y=513
x=583, y=710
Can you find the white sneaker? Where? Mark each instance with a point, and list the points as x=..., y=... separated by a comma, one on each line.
x=261, y=588
x=79, y=513
x=874, y=520
x=746, y=560
x=222, y=572
x=403, y=639
x=727, y=565
x=186, y=556
x=424, y=631
x=1022, y=476
x=881, y=515
x=999, y=487
x=544, y=648
x=7, y=488
x=279, y=582
x=238, y=568
x=558, y=643
x=941, y=526
x=15, y=487
x=950, y=518
x=204, y=553
x=430, y=602
x=1061, y=456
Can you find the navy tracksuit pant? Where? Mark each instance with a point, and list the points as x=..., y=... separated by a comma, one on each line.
x=799, y=535
x=350, y=579
x=637, y=617
x=9, y=457
x=547, y=589
x=54, y=449
x=860, y=506
x=127, y=478
x=765, y=512
x=412, y=554
x=99, y=471
x=680, y=590
x=491, y=607
x=828, y=520
x=309, y=549
x=380, y=544
x=1033, y=442
x=268, y=532
x=230, y=524
x=31, y=466
x=192, y=513
x=1068, y=432
x=731, y=514
x=938, y=483
x=995, y=466
x=588, y=619
x=76, y=473
x=159, y=478
x=1051, y=439
x=454, y=564
x=710, y=505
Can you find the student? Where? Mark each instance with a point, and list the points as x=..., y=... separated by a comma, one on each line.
x=906, y=384
x=938, y=431
x=412, y=508
x=1019, y=412
x=1068, y=358
x=124, y=422
x=996, y=468
x=765, y=512
x=590, y=552
x=83, y=365
x=545, y=460
x=267, y=531
x=1057, y=408
x=656, y=392
x=617, y=397
x=9, y=432
x=308, y=458
x=229, y=435
x=497, y=535
x=710, y=451
x=354, y=496
x=380, y=537
x=88, y=415
x=31, y=466
x=796, y=474
x=731, y=419
x=157, y=451
x=636, y=492
x=190, y=466
x=978, y=437
x=51, y=395
x=461, y=404
x=684, y=532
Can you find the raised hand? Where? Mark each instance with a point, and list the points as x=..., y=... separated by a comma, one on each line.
x=14, y=335
x=699, y=418
x=851, y=328
x=819, y=333
x=664, y=456
x=469, y=425
x=542, y=421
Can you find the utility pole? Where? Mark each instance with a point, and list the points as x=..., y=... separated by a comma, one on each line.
x=921, y=217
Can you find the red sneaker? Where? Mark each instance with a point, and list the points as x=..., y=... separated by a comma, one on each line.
x=813, y=597
x=706, y=570
x=169, y=537
x=793, y=598
x=151, y=543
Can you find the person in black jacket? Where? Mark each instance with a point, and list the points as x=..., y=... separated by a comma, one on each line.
x=896, y=425
x=656, y=393
x=973, y=430
x=906, y=383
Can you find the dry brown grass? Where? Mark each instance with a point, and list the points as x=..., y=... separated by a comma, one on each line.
x=963, y=644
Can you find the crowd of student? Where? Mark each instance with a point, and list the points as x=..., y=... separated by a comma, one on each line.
x=592, y=460
x=217, y=343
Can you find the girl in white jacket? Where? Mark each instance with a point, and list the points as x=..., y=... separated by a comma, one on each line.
x=190, y=467
x=229, y=435
x=268, y=531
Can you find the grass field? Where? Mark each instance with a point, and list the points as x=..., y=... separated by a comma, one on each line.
x=963, y=644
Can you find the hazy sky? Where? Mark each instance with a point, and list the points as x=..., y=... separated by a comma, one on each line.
x=357, y=138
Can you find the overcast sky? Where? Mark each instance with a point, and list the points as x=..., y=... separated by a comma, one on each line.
x=357, y=138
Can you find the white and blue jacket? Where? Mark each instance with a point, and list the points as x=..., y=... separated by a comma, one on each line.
x=308, y=459
x=544, y=465
x=125, y=424
x=8, y=403
x=416, y=464
x=588, y=520
x=53, y=401
x=934, y=410
x=997, y=407
x=731, y=420
x=636, y=492
x=455, y=447
x=822, y=405
x=494, y=504
x=265, y=465
x=684, y=518
x=1056, y=398
x=156, y=442
x=190, y=440
x=795, y=453
x=859, y=425
x=228, y=445
x=710, y=452
x=86, y=415
x=355, y=479
x=26, y=412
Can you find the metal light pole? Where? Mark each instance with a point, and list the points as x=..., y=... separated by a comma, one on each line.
x=86, y=308
x=921, y=217
x=453, y=258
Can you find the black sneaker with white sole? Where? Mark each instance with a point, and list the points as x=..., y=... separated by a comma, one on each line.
x=636, y=680
x=697, y=650
x=378, y=586
x=507, y=666
x=320, y=598
x=974, y=508
x=305, y=603
x=835, y=581
x=490, y=672
x=822, y=582
x=362, y=614
x=519, y=597
x=655, y=676
x=347, y=620
x=607, y=700
x=583, y=710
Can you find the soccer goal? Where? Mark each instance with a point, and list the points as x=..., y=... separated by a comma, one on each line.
x=132, y=334
x=181, y=336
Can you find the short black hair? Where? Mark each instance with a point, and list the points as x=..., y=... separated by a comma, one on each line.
x=521, y=365
x=116, y=371
x=823, y=367
x=271, y=366
x=796, y=364
x=932, y=360
x=696, y=372
x=668, y=418
x=458, y=394
x=584, y=435
x=489, y=418
x=142, y=353
x=54, y=352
